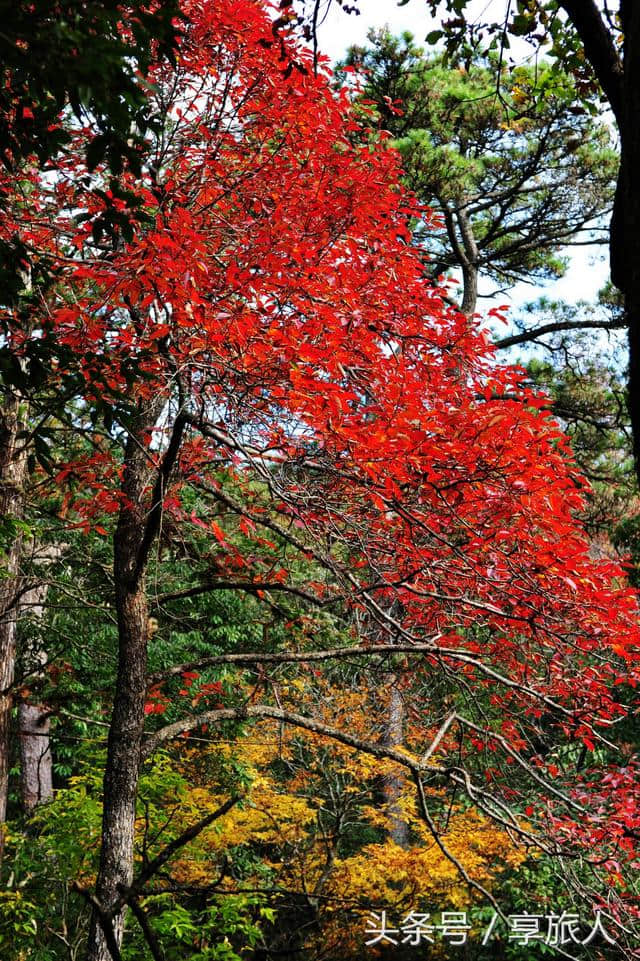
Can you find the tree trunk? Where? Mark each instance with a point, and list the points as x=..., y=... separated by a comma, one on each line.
x=619, y=78
x=123, y=763
x=13, y=468
x=36, y=763
x=625, y=246
x=465, y=251
x=469, y=265
x=36, y=783
x=393, y=784
x=127, y=721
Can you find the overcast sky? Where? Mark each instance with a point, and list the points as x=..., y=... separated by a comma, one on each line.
x=341, y=30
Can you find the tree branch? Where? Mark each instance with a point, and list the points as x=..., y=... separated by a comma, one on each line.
x=104, y=918
x=155, y=865
x=288, y=657
x=157, y=498
x=285, y=717
x=248, y=586
x=149, y=934
x=530, y=335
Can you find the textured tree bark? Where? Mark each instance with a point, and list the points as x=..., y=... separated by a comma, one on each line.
x=123, y=763
x=599, y=46
x=36, y=781
x=469, y=303
x=36, y=762
x=465, y=250
x=393, y=784
x=13, y=469
x=127, y=721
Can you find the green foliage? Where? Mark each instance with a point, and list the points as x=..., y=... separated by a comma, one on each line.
x=224, y=930
x=513, y=166
x=87, y=57
x=583, y=373
x=11, y=528
x=58, y=846
x=477, y=156
x=537, y=22
x=626, y=537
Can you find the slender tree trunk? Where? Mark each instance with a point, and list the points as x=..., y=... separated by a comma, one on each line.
x=469, y=303
x=13, y=468
x=123, y=763
x=127, y=721
x=36, y=782
x=465, y=250
x=36, y=762
x=393, y=784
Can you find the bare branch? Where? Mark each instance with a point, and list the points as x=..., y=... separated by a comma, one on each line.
x=530, y=335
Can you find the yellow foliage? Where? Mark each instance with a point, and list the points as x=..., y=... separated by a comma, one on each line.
x=287, y=825
x=387, y=874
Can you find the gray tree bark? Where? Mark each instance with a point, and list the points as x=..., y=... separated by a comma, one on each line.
x=393, y=784
x=36, y=762
x=13, y=470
